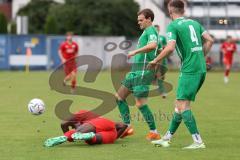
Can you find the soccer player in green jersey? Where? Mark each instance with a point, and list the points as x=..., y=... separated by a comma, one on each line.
x=162, y=69
x=192, y=43
x=137, y=81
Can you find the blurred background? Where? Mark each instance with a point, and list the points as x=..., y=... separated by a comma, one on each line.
x=32, y=30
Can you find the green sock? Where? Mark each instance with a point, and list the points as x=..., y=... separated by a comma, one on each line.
x=83, y=136
x=175, y=122
x=124, y=111
x=148, y=116
x=161, y=88
x=87, y=136
x=190, y=122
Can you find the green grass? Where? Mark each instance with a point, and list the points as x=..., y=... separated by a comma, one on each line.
x=22, y=134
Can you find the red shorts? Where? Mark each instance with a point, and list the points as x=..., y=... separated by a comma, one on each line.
x=70, y=67
x=227, y=60
x=105, y=128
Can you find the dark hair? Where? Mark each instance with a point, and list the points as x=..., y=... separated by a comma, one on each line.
x=178, y=6
x=228, y=37
x=156, y=25
x=148, y=13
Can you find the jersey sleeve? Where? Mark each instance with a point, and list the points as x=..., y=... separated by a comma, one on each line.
x=61, y=48
x=164, y=41
x=222, y=46
x=171, y=33
x=152, y=36
x=202, y=30
x=160, y=47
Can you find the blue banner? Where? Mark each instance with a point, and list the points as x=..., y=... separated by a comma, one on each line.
x=20, y=43
x=55, y=44
x=4, y=62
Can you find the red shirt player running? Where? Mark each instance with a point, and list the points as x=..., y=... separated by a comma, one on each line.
x=90, y=128
x=228, y=48
x=68, y=50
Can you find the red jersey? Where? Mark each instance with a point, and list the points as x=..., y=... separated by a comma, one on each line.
x=228, y=49
x=69, y=50
x=84, y=116
x=100, y=123
x=105, y=127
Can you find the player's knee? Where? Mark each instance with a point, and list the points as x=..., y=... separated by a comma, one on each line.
x=139, y=105
x=140, y=102
x=181, y=106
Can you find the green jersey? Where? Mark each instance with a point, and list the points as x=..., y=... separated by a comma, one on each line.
x=162, y=42
x=140, y=61
x=188, y=36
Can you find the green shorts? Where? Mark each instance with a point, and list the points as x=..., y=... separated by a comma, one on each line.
x=189, y=85
x=138, y=83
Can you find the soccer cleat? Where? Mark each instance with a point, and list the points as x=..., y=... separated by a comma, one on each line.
x=128, y=132
x=196, y=145
x=83, y=136
x=161, y=143
x=152, y=136
x=55, y=141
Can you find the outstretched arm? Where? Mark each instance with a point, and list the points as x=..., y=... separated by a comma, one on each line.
x=149, y=47
x=66, y=124
x=165, y=52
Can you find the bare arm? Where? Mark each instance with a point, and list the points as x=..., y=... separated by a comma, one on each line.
x=166, y=51
x=207, y=44
x=66, y=124
x=149, y=47
x=61, y=56
x=77, y=50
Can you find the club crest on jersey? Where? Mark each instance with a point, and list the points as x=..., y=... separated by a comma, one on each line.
x=153, y=37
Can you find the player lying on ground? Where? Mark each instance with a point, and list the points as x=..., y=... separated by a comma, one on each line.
x=90, y=128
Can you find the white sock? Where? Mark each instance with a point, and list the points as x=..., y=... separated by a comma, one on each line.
x=168, y=136
x=197, y=138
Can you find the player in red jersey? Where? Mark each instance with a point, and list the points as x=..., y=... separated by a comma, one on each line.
x=68, y=50
x=90, y=128
x=228, y=48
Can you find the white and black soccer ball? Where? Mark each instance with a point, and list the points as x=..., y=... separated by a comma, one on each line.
x=36, y=106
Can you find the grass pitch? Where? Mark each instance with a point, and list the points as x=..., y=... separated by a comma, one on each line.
x=22, y=135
